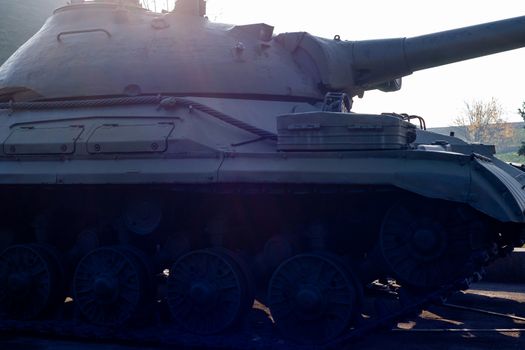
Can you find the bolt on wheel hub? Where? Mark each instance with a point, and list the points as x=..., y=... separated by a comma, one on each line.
x=207, y=291
x=313, y=298
x=30, y=281
x=110, y=286
x=19, y=284
x=106, y=289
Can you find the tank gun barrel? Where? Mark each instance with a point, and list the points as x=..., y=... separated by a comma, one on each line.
x=379, y=61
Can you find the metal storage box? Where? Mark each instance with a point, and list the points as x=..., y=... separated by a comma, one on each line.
x=328, y=131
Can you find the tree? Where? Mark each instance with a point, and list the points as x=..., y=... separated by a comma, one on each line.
x=521, y=112
x=483, y=122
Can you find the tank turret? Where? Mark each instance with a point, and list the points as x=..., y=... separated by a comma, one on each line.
x=356, y=66
x=114, y=48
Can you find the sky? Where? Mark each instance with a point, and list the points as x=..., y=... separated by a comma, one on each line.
x=437, y=94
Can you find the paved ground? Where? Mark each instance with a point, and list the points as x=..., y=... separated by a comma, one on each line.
x=431, y=330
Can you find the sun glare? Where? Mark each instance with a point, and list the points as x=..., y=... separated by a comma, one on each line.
x=158, y=5
x=496, y=76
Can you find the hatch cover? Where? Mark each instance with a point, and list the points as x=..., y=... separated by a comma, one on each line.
x=115, y=138
x=42, y=140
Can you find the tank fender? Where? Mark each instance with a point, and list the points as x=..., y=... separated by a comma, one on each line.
x=470, y=179
x=481, y=184
x=496, y=192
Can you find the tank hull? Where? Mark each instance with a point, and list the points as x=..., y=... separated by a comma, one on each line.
x=119, y=146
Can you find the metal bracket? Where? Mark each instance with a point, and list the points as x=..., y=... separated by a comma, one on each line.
x=337, y=102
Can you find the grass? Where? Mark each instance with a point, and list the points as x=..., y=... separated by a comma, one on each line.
x=511, y=157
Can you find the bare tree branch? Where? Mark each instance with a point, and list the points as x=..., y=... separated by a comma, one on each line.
x=484, y=123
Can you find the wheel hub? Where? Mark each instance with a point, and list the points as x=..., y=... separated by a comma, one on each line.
x=425, y=240
x=313, y=298
x=142, y=216
x=110, y=285
x=426, y=244
x=309, y=301
x=19, y=284
x=207, y=291
x=202, y=293
x=30, y=278
x=106, y=289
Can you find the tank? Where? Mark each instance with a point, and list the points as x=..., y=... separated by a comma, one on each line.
x=161, y=172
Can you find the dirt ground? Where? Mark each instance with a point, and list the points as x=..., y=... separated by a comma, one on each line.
x=434, y=328
x=439, y=327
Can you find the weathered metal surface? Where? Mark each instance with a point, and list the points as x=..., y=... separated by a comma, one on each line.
x=134, y=55
x=43, y=140
x=343, y=132
x=134, y=138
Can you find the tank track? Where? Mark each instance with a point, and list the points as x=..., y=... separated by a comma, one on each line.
x=383, y=304
x=255, y=333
